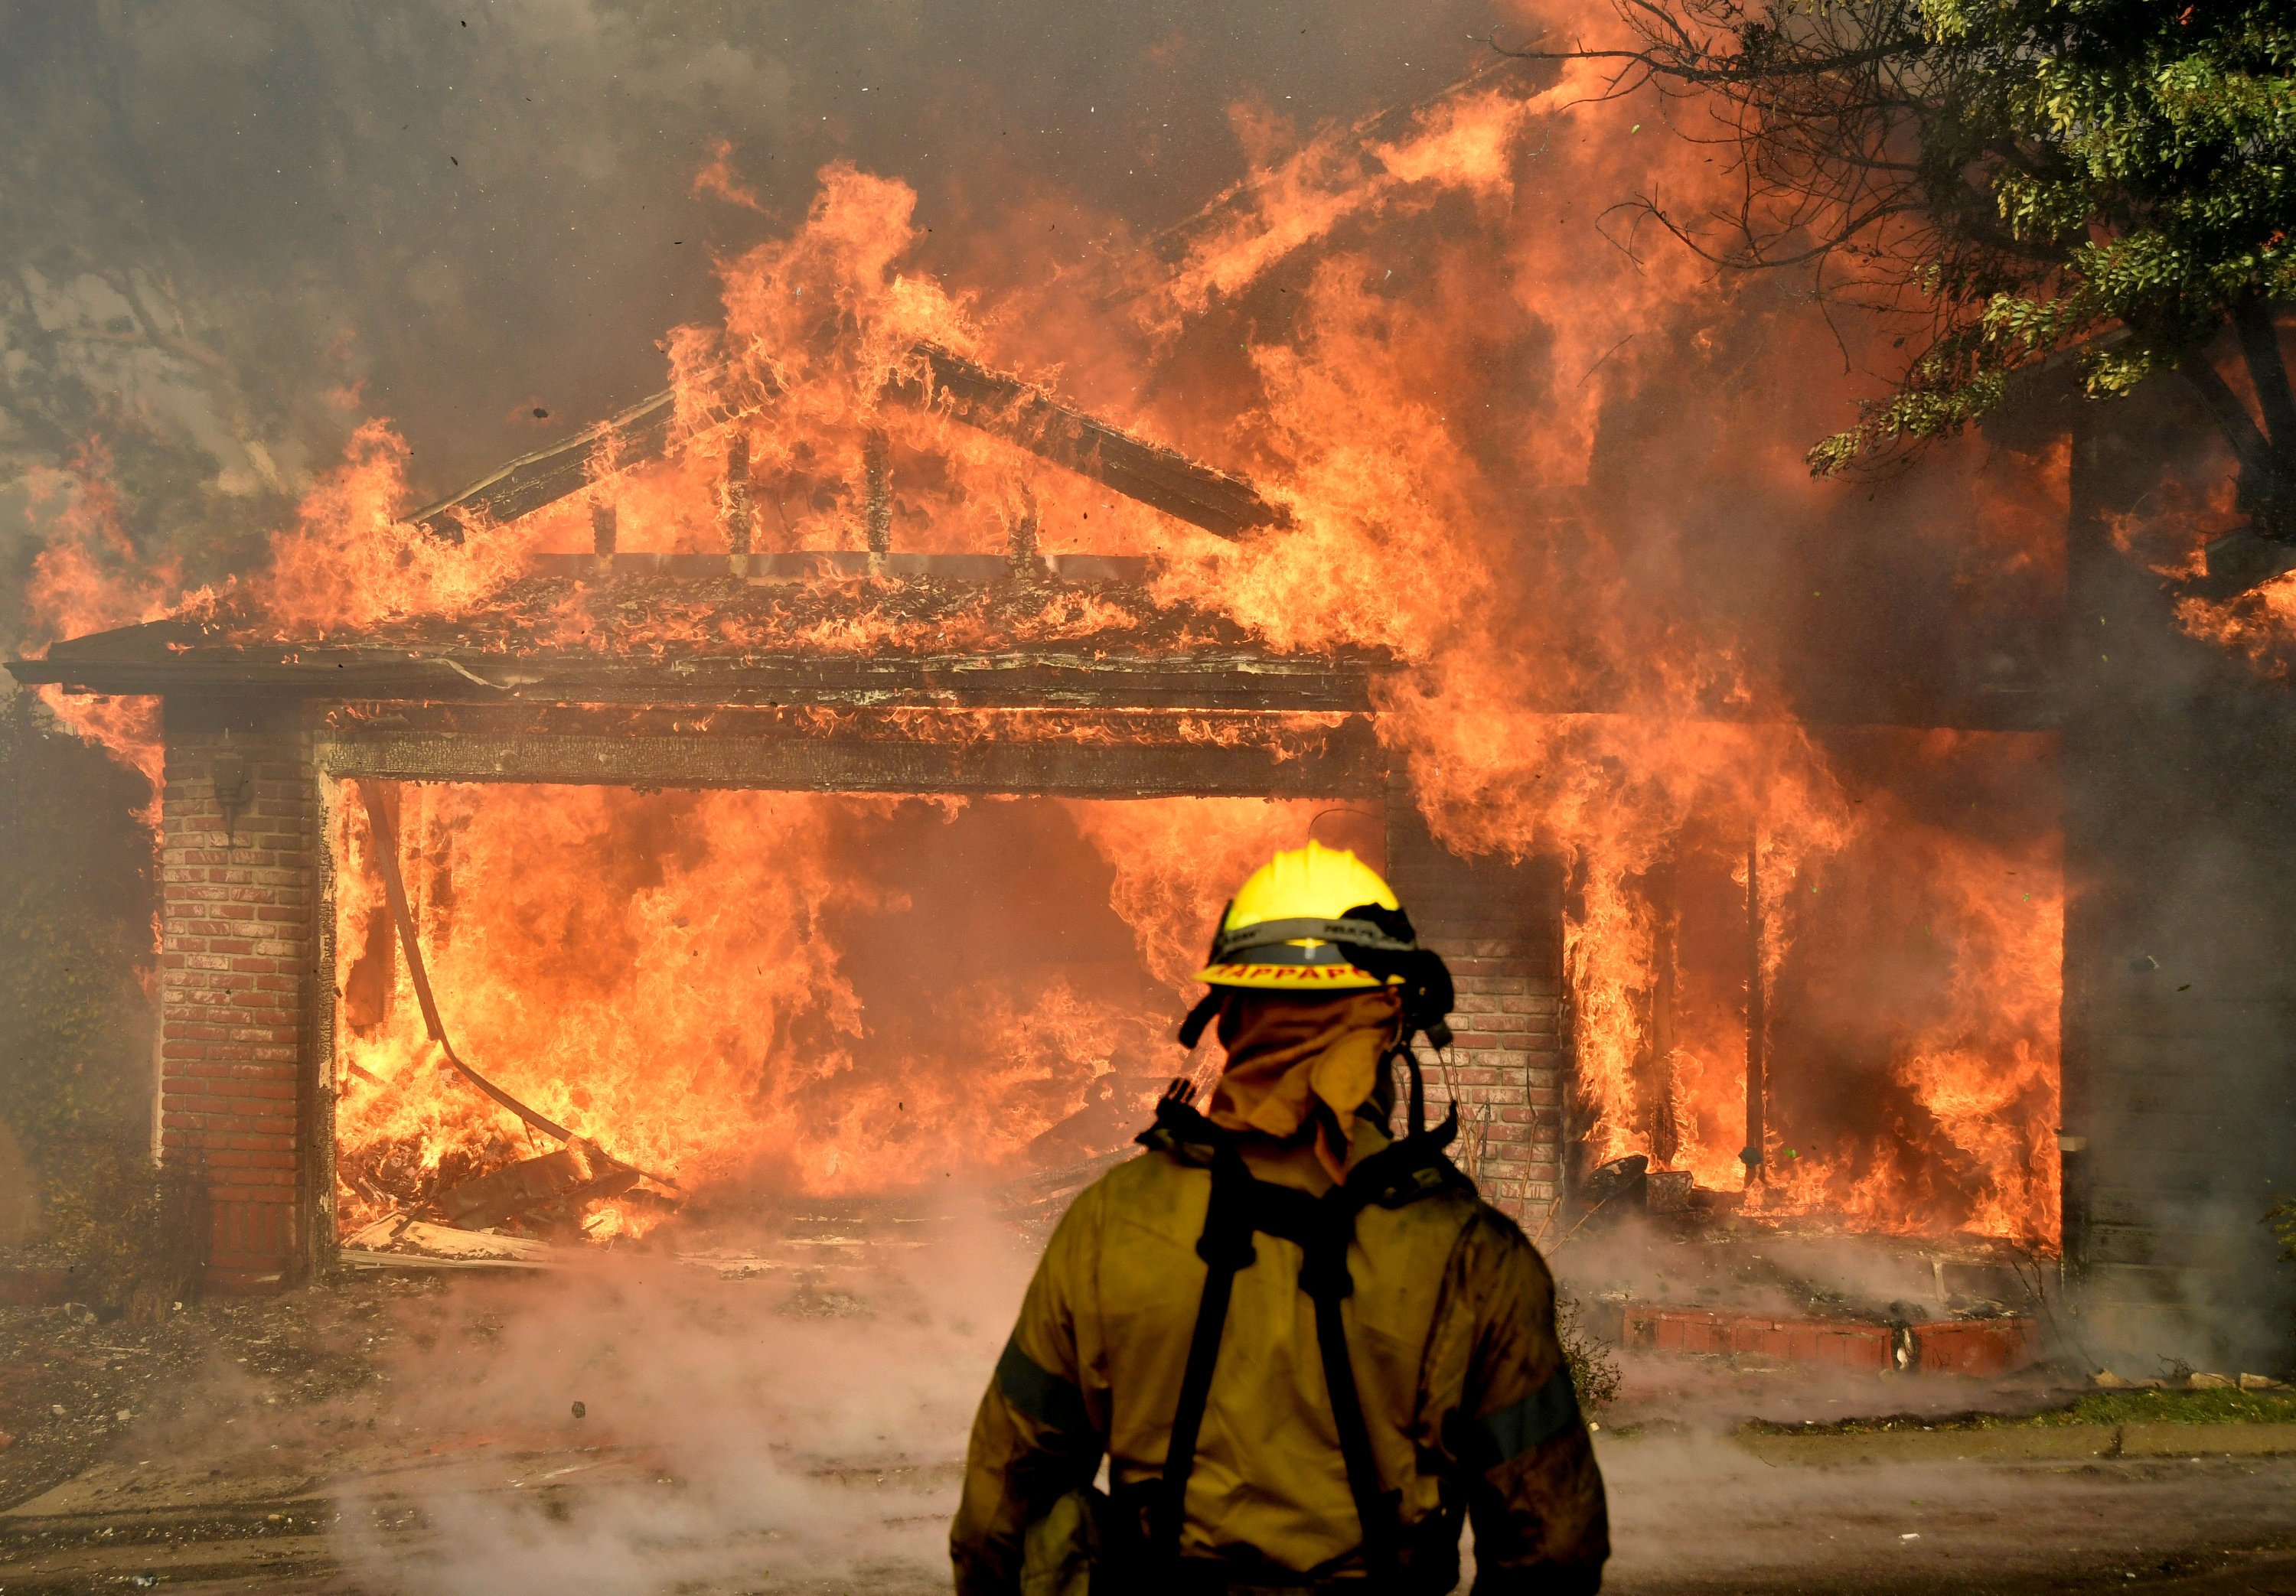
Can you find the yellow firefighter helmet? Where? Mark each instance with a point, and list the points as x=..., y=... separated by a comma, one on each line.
x=1294, y=924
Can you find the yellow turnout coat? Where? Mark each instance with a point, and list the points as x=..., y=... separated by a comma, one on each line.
x=1449, y=1328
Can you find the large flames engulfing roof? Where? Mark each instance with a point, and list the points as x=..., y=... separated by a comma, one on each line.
x=1400, y=335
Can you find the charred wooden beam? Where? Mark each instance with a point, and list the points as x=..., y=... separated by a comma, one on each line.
x=548, y=475
x=156, y=659
x=353, y=719
x=1021, y=412
x=1120, y=754
x=1350, y=765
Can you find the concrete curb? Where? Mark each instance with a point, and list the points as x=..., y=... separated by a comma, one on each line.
x=2030, y=1442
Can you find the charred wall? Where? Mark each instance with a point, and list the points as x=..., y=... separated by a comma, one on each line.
x=2180, y=943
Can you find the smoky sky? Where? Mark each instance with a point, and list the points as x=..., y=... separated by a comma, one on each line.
x=455, y=215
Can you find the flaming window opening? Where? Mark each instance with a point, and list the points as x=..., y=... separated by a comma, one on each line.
x=1897, y=1070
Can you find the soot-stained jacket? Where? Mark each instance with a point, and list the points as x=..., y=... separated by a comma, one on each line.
x=1450, y=1331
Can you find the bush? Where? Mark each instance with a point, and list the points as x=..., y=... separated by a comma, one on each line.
x=1594, y=1371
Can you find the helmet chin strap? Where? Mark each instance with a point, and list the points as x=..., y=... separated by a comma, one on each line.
x=1416, y=1125
x=1418, y=1109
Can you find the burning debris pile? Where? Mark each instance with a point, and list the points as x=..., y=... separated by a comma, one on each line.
x=550, y=1196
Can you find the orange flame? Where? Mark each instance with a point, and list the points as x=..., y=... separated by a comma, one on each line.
x=90, y=579
x=682, y=979
x=687, y=979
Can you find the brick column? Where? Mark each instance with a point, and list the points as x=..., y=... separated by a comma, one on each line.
x=1499, y=927
x=237, y=894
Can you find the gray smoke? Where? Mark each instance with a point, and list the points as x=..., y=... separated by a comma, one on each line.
x=232, y=230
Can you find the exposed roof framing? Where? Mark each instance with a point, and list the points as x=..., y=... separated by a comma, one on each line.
x=530, y=481
x=1022, y=413
x=999, y=402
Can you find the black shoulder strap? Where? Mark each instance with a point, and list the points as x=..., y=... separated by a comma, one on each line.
x=1326, y=1279
x=1225, y=1247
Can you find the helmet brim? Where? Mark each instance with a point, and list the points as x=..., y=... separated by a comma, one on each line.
x=1293, y=978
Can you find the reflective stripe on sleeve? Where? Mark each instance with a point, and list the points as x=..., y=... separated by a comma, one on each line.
x=1044, y=1396
x=1535, y=1420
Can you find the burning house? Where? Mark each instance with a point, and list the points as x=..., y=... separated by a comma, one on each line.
x=821, y=777
x=325, y=795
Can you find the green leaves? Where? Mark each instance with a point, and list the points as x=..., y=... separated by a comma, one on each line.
x=2282, y=1217
x=2085, y=166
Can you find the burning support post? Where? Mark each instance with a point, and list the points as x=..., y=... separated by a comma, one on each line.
x=1665, y=1125
x=877, y=502
x=1756, y=1063
x=735, y=510
x=1020, y=539
x=605, y=531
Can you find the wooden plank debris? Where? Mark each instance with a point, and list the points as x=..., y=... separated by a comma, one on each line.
x=562, y=1182
x=399, y=1241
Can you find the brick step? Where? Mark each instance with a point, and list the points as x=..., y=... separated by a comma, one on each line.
x=1976, y=1346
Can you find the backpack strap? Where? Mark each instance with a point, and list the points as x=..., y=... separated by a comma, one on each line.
x=1225, y=1247
x=1329, y=1225
x=1323, y=1228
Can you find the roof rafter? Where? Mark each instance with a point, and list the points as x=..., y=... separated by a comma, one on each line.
x=999, y=402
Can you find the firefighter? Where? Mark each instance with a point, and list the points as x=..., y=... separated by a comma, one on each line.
x=1307, y=1350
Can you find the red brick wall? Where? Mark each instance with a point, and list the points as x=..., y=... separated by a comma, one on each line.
x=1499, y=927
x=1506, y=1059
x=1847, y=1342
x=237, y=916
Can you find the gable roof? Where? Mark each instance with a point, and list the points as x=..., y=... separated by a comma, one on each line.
x=999, y=402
